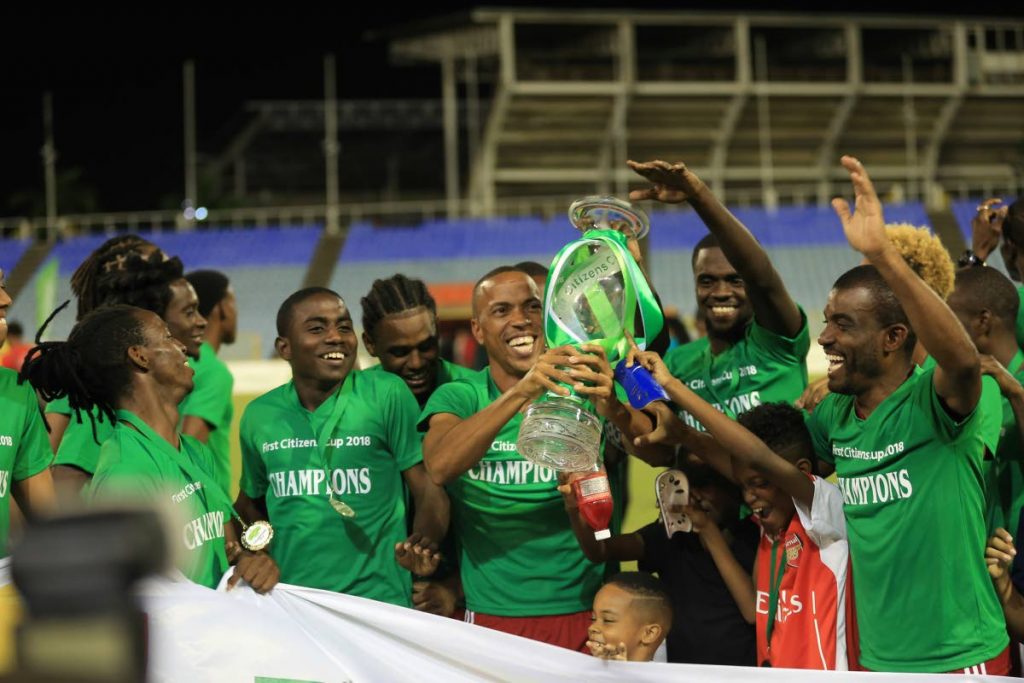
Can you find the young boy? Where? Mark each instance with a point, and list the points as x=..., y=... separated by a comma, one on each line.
x=716, y=632
x=800, y=603
x=632, y=615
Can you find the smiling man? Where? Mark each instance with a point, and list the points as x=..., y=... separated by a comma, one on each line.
x=757, y=337
x=400, y=330
x=522, y=569
x=324, y=457
x=907, y=446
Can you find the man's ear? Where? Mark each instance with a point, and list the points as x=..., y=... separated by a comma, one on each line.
x=368, y=343
x=138, y=356
x=650, y=634
x=983, y=323
x=804, y=465
x=895, y=337
x=284, y=348
x=478, y=334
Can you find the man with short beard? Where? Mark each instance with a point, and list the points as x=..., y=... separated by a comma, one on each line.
x=757, y=337
x=522, y=569
x=907, y=446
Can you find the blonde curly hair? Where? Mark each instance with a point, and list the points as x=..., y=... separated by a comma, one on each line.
x=924, y=253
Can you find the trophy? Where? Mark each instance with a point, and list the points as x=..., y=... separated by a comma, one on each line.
x=595, y=293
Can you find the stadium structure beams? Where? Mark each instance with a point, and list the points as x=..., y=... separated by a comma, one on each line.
x=558, y=71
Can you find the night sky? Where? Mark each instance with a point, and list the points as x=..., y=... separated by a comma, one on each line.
x=116, y=83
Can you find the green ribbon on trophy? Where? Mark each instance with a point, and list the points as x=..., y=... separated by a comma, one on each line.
x=583, y=304
x=593, y=295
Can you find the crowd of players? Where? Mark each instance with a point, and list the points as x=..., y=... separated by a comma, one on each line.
x=856, y=523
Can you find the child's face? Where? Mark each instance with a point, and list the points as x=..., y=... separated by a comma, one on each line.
x=772, y=508
x=613, y=621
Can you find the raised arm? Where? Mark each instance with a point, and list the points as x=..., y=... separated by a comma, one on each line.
x=732, y=437
x=958, y=375
x=774, y=309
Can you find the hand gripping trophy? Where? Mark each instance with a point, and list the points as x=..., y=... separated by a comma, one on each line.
x=595, y=293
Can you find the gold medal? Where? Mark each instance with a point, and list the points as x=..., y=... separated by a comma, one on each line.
x=341, y=507
x=257, y=536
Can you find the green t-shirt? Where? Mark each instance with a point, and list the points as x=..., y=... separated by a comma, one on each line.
x=763, y=367
x=138, y=464
x=1006, y=478
x=211, y=402
x=24, y=447
x=519, y=556
x=1020, y=317
x=78, y=448
x=372, y=442
x=446, y=372
x=911, y=478
x=990, y=418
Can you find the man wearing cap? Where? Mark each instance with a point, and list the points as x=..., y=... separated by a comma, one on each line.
x=206, y=413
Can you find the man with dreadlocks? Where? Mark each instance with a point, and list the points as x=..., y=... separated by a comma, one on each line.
x=24, y=455
x=92, y=288
x=400, y=330
x=124, y=363
x=145, y=278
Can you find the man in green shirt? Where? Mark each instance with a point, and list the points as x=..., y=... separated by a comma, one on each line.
x=324, y=458
x=522, y=569
x=150, y=281
x=207, y=411
x=400, y=330
x=123, y=362
x=24, y=451
x=986, y=302
x=757, y=337
x=907, y=447
x=1003, y=227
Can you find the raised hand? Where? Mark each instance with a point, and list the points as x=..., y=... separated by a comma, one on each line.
x=670, y=183
x=865, y=225
x=649, y=360
x=418, y=554
x=987, y=227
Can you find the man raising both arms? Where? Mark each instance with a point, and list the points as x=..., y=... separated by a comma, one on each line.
x=522, y=569
x=757, y=339
x=907, y=447
x=324, y=457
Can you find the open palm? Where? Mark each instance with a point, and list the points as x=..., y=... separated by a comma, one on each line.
x=670, y=183
x=865, y=225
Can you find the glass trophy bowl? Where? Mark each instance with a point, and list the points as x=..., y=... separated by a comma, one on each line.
x=559, y=432
x=599, y=212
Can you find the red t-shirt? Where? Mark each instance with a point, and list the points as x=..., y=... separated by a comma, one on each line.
x=814, y=604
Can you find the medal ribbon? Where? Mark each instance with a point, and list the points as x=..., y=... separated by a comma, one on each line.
x=324, y=437
x=775, y=583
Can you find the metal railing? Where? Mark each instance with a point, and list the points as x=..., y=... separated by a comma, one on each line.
x=413, y=212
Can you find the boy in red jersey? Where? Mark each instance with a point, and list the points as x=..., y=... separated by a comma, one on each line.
x=800, y=602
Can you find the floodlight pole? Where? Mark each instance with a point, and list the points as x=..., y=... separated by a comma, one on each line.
x=331, y=145
x=50, y=168
x=191, y=187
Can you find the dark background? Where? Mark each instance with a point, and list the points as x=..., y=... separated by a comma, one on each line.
x=116, y=82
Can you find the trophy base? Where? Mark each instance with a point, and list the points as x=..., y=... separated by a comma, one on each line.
x=558, y=432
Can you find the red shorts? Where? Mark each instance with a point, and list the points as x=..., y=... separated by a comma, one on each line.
x=564, y=630
x=997, y=666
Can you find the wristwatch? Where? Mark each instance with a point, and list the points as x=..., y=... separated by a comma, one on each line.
x=968, y=259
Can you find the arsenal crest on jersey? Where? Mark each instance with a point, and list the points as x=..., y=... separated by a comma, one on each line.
x=793, y=546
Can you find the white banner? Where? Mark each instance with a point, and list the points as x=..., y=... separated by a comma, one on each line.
x=302, y=634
